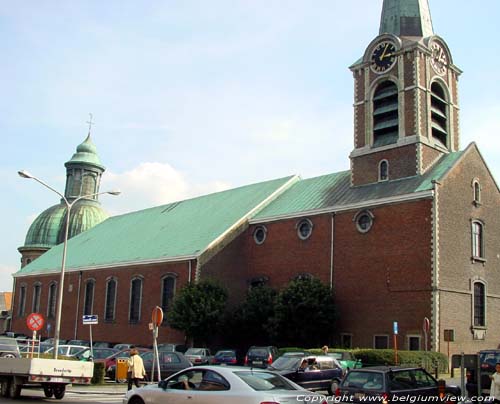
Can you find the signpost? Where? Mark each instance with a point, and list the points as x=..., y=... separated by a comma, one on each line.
x=89, y=319
x=35, y=322
x=395, y=331
x=156, y=320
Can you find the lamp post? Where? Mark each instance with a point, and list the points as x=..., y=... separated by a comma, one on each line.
x=69, y=205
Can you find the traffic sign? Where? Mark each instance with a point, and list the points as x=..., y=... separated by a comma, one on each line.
x=157, y=316
x=395, y=326
x=90, y=319
x=426, y=326
x=35, y=321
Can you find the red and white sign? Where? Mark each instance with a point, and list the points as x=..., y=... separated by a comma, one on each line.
x=157, y=316
x=426, y=326
x=35, y=321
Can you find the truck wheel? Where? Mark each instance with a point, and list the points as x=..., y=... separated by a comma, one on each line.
x=4, y=387
x=59, y=391
x=14, y=390
x=48, y=391
x=334, y=385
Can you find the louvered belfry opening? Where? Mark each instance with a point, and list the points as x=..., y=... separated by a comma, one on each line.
x=439, y=116
x=385, y=114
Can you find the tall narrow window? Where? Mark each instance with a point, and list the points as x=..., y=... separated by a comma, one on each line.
x=479, y=305
x=383, y=171
x=477, y=240
x=109, y=311
x=37, y=291
x=135, y=300
x=439, y=115
x=477, y=192
x=51, y=304
x=22, y=301
x=385, y=114
x=167, y=294
x=88, y=304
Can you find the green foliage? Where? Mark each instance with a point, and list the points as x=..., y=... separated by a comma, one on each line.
x=304, y=313
x=198, y=309
x=99, y=372
x=251, y=320
x=427, y=360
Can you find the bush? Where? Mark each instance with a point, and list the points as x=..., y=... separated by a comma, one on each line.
x=99, y=371
x=425, y=359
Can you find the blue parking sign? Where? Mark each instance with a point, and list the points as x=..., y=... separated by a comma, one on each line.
x=395, y=325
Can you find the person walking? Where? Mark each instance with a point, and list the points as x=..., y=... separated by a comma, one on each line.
x=495, y=384
x=136, y=371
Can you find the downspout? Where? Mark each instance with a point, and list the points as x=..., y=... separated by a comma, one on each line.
x=435, y=323
x=332, y=246
x=78, y=303
x=189, y=271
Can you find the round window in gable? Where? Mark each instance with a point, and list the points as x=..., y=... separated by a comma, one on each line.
x=259, y=234
x=364, y=221
x=304, y=229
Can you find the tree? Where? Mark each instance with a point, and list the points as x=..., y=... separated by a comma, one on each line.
x=304, y=313
x=252, y=318
x=198, y=309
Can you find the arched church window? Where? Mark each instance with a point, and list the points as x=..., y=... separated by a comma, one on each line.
x=383, y=170
x=110, y=305
x=135, y=300
x=51, y=304
x=479, y=304
x=22, y=301
x=439, y=115
x=89, y=297
x=37, y=291
x=385, y=114
x=167, y=294
x=478, y=240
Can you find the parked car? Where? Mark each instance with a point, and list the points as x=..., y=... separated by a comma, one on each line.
x=9, y=348
x=199, y=356
x=97, y=354
x=66, y=350
x=122, y=347
x=170, y=363
x=392, y=383
x=80, y=342
x=321, y=372
x=221, y=385
x=228, y=357
x=346, y=359
x=102, y=344
x=173, y=347
x=50, y=341
x=261, y=356
x=487, y=361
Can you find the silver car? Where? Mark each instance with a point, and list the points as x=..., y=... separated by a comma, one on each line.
x=219, y=385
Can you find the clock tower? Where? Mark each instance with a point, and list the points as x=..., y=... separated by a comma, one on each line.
x=405, y=97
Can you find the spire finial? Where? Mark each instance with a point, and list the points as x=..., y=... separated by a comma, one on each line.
x=90, y=122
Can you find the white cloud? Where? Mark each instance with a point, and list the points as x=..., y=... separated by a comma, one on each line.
x=152, y=184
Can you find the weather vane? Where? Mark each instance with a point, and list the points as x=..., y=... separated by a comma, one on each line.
x=90, y=122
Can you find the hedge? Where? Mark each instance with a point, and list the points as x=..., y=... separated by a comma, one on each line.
x=377, y=357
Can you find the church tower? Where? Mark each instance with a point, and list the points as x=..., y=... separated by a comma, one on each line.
x=405, y=97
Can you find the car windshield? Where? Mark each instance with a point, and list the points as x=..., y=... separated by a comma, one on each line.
x=258, y=352
x=364, y=380
x=264, y=381
x=195, y=351
x=286, y=363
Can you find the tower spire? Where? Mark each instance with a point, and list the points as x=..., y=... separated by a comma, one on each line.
x=406, y=18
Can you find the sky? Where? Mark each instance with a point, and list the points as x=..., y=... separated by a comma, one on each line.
x=191, y=97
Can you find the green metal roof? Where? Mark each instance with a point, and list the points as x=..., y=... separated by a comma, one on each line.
x=406, y=18
x=335, y=190
x=86, y=153
x=176, y=230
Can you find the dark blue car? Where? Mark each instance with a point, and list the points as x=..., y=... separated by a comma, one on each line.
x=311, y=372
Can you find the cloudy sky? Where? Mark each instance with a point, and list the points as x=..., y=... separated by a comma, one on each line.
x=195, y=96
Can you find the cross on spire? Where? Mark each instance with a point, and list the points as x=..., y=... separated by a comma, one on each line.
x=90, y=122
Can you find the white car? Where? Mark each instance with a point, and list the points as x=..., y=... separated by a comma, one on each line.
x=219, y=385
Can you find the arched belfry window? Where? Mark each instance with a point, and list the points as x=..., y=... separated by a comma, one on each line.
x=383, y=170
x=439, y=114
x=385, y=114
x=477, y=191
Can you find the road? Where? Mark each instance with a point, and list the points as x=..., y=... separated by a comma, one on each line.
x=30, y=396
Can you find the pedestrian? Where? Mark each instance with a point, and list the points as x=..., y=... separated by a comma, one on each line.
x=136, y=371
x=495, y=384
x=325, y=349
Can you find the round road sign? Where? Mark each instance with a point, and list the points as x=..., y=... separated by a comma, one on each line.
x=35, y=321
x=157, y=316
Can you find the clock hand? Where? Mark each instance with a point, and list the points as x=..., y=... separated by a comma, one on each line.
x=383, y=53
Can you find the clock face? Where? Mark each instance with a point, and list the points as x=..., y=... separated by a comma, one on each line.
x=383, y=57
x=439, y=59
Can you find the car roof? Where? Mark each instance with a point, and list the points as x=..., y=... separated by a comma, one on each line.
x=384, y=368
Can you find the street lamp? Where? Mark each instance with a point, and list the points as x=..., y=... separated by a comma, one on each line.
x=69, y=205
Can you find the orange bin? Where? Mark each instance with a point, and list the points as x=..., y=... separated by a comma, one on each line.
x=121, y=370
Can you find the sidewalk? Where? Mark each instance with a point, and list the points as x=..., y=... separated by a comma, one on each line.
x=111, y=388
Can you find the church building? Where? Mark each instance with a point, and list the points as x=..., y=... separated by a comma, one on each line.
x=409, y=234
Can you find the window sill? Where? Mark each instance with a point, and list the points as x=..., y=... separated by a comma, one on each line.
x=476, y=204
x=478, y=259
